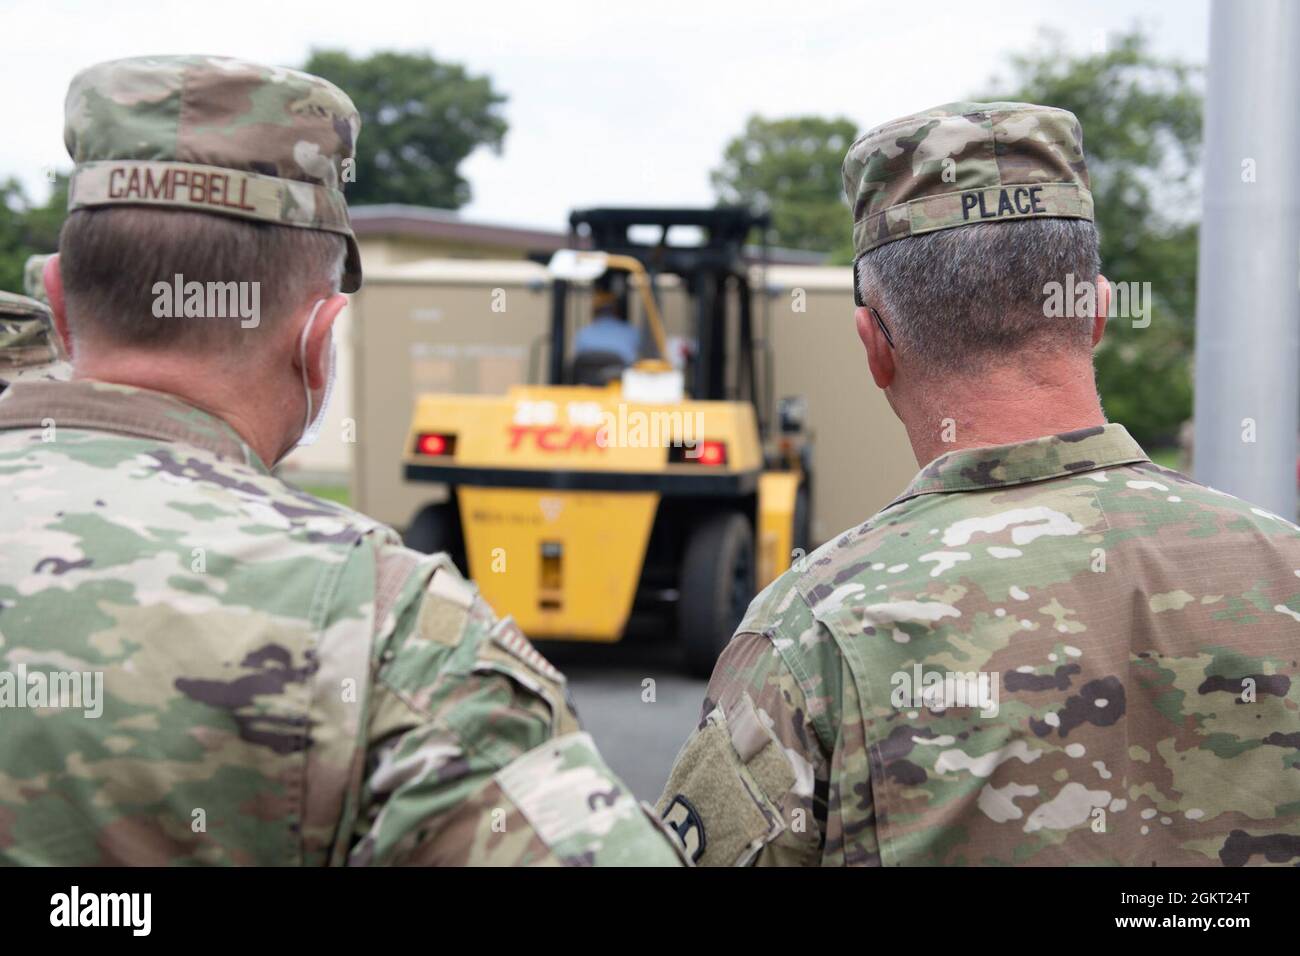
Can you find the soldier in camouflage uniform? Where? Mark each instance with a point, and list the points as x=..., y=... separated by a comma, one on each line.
x=202, y=664
x=1047, y=649
x=34, y=278
x=30, y=349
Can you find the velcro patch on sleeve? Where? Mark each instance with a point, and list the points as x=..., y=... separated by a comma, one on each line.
x=442, y=620
x=760, y=751
x=723, y=813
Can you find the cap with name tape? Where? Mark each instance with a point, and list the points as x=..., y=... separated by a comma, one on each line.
x=965, y=163
x=217, y=135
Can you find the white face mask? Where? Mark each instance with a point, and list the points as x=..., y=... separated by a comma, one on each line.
x=312, y=422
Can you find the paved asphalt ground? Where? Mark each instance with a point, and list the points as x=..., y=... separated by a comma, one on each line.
x=638, y=739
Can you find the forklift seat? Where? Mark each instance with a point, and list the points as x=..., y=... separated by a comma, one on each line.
x=596, y=368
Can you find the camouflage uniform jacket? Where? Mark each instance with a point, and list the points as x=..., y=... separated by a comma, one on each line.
x=1128, y=640
x=282, y=682
x=29, y=347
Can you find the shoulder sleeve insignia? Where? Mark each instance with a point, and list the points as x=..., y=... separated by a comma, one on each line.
x=683, y=819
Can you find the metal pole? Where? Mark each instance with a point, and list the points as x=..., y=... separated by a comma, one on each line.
x=1248, y=293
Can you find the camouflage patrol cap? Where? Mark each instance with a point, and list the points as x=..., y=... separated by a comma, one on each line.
x=965, y=163
x=34, y=278
x=217, y=135
x=29, y=347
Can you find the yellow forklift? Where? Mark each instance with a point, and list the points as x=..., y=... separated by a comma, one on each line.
x=655, y=480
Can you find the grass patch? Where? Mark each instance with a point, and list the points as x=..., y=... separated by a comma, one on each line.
x=1167, y=457
x=338, y=493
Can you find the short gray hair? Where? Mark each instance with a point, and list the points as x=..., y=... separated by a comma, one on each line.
x=955, y=298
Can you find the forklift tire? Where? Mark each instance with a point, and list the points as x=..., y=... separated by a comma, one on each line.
x=436, y=528
x=717, y=584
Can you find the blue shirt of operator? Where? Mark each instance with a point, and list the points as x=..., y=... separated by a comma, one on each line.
x=608, y=333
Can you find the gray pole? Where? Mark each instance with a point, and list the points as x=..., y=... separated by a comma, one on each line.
x=1248, y=293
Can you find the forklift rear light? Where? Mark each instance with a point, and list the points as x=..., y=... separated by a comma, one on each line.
x=703, y=453
x=713, y=453
x=431, y=443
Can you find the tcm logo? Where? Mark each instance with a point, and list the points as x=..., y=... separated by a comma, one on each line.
x=554, y=438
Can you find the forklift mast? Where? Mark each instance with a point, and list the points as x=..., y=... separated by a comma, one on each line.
x=707, y=270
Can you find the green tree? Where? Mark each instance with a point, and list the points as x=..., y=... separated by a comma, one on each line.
x=791, y=167
x=28, y=228
x=1141, y=119
x=420, y=119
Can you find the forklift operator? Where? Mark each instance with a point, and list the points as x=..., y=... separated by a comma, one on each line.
x=608, y=333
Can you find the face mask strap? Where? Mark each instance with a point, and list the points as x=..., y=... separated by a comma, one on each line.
x=302, y=359
x=857, y=300
x=884, y=329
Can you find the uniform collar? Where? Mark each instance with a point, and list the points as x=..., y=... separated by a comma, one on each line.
x=123, y=410
x=1001, y=466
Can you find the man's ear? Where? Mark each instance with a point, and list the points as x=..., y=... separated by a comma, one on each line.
x=1103, y=309
x=880, y=356
x=53, y=280
x=318, y=340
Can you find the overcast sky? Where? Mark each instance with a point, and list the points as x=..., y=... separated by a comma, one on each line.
x=609, y=102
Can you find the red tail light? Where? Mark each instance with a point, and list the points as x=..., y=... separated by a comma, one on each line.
x=430, y=443
x=712, y=453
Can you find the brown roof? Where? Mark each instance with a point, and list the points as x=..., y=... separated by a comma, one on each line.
x=423, y=222
x=445, y=225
